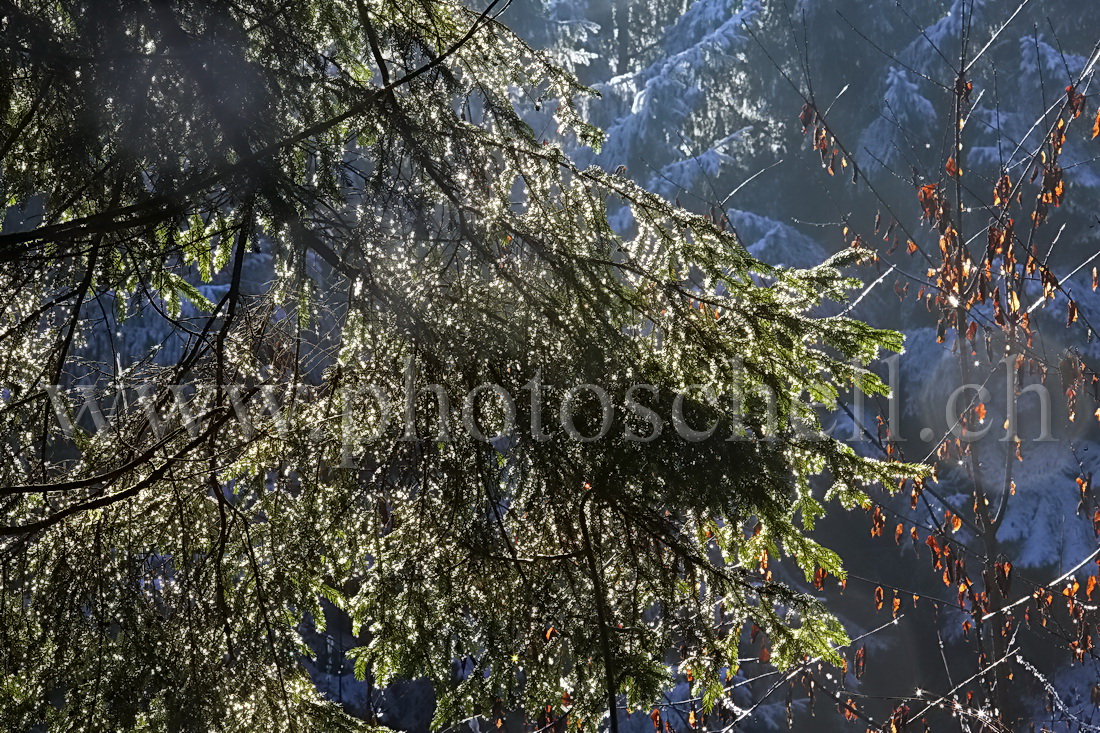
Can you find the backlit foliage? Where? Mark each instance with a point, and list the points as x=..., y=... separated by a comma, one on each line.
x=305, y=198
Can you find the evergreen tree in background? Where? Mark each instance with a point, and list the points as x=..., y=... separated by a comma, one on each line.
x=246, y=230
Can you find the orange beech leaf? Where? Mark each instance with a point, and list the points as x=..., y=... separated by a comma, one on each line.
x=878, y=598
x=1002, y=572
x=935, y=547
x=1002, y=192
x=807, y=117
x=929, y=198
x=1076, y=101
x=878, y=522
